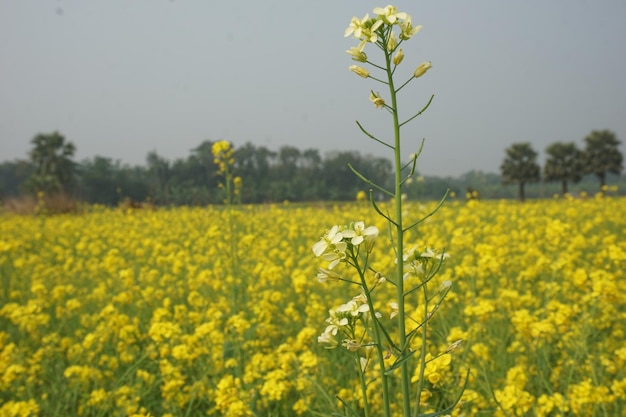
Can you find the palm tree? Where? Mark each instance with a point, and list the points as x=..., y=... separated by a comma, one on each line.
x=602, y=155
x=520, y=166
x=564, y=164
x=54, y=168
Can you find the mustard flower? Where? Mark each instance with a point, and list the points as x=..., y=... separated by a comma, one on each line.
x=360, y=71
x=364, y=29
x=389, y=14
x=392, y=43
x=408, y=30
x=398, y=57
x=359, y=233
x=431, y=254
x=445, y=285
x=223, y=155
x=357, y=54
x=378, y=101
x=353, y=308
x=336, y=256
x=394, y=309
x=454, y=346
x=331, y=239
x=355, y=25
x=237, y=183
x=351, y=345
x=422, y=68
x=328, y=337
x=324, y=275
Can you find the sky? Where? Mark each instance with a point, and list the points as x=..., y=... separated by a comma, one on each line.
x=121, y=78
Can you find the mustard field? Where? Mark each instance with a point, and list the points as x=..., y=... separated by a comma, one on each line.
x=204, y=311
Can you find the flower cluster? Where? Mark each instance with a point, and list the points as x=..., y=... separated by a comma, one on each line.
x=368, y=29
x=335, y=245
x=223, y=155
x=85, y=301
x=381, y=31
x=422, y=264
x=343, y=320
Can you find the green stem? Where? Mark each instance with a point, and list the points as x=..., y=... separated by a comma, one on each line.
x=420, y=382
x=404, y=368
x=377, y=337
x=366, y=406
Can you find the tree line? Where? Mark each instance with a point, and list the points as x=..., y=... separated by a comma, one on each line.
x=288, y=174
x=565, y=163
x=268, y=176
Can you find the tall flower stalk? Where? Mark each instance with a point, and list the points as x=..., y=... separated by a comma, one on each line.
x=223, y=157
x=363, y=327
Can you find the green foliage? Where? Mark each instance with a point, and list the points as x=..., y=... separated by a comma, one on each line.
x=564, y=164
x=297, y=176
x=520, y=166
x=159, y=167
x=104, y=181
x=13, y=175
x=602, y=154
x=54, y=168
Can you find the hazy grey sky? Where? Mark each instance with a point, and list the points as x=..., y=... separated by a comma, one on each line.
x=120, y=78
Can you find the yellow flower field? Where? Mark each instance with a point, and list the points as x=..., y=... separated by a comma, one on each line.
x=174, y=313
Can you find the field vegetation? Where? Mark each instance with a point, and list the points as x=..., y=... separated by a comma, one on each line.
x=172, y=312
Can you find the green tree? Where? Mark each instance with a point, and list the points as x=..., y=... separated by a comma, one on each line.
x=54, y=167
x=99, y=181
x=285, y=180
x=13, y=175
x=564, y=164
x=160, y=168
x=602, y=155
x=253, y=164
x=520, y=166
x=309, y=172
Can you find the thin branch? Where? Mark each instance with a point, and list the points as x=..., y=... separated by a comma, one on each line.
x=369, y=182
x=377, y=66
x=419, y=151
x=380, y=81
x=430, y=276
x=372, y=136
x=413, y=162
x=431, y=213
x=418, y=113
x=378, y=210
x=405, y=83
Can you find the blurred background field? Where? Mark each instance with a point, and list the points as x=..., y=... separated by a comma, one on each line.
x=162, y=311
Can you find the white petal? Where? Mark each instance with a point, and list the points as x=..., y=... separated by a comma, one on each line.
x=319, y=247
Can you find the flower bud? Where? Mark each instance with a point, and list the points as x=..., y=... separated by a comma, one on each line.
x=360, y=71
x=357, y=54
x=397, y=59
x=327, y=275
x=377, y=100
x=421, y=70
x=392, y=43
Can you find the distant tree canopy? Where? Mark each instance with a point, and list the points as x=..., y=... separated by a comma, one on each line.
x=564, y=163
x=291, y=174
x=602, y=155
x=268, y=176
x=52, y=157
x=520, y=166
